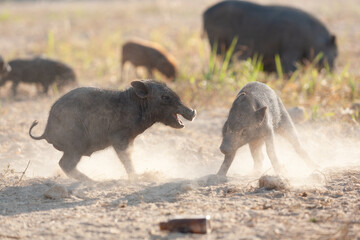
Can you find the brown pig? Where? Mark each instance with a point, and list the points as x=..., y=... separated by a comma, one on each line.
x=150, y=55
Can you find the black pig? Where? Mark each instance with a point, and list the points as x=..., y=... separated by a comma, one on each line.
x=87, y=120
x=256, y=114
x=269, y=30
x=38, y=70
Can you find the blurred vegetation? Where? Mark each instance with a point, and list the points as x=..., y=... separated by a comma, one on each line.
x=89, y=39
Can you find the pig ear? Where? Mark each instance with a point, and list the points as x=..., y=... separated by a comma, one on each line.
x=260, y=115
x=140, y=88
x=241, y=94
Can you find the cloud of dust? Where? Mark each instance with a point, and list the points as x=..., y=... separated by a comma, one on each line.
x=174, y=156
x=154, y=155
x=326, y=145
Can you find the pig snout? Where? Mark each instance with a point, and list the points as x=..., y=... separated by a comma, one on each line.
x=7, y=68
x=173, y=119
x=229, y=144
x=4, y=67
x=225, y=148
x=187, y=113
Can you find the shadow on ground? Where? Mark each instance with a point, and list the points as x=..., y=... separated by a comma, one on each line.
x=29, y=198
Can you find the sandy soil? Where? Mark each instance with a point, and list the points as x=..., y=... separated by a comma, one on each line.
x=175, y=179
x=175, y=167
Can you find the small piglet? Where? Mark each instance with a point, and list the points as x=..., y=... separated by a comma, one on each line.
x=86, y=120
x=256, y=114
x=38, y=70
x=150, y=55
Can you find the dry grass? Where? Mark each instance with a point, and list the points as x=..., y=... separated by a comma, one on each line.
x=88, y=35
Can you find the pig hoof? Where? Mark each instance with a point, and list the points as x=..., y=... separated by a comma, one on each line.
x=133, y=177
x=79, y=176
x=216, y=179
x=221, y=173
x=85, y=179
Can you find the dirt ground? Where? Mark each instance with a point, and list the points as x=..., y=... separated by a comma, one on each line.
x=176, y=167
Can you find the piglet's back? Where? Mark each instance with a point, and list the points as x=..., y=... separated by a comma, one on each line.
x=262, y=95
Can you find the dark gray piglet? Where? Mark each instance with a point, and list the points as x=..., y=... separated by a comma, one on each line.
x=39, y=70
x=86, y=120
x=255, y=116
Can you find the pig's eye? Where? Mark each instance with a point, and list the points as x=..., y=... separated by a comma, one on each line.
x=165, y=98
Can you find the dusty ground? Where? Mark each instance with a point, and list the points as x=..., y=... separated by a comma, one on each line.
x=175, y=166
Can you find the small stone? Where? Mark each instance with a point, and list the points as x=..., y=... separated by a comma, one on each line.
x=56, y=192
x=272, y=182
x=303, y=194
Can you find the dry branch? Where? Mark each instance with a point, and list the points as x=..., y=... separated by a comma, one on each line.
x=23, y=173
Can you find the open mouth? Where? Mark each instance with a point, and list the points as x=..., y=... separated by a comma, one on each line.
x=178, y=120
x=174, y=120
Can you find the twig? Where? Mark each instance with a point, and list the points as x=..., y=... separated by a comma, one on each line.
x=23, y=173
x=257, y=178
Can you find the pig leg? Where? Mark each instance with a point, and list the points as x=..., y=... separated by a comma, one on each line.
x=68, y=164
x=288, y=60
x=270, y=150
x=256, y=153
x=124, y=157
x=150, y=73
x=123, y=152
x=13, y=87
x=226, y=164
x=291, y=135
x=214, y=46
x=45, y=88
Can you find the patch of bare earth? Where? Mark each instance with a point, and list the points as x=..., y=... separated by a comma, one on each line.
x=124, y=210
x=175, y=168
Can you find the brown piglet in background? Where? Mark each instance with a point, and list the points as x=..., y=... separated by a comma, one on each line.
x=150, y=55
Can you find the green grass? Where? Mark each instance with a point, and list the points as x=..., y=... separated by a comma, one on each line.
x=278, y=65
x=5, y=15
